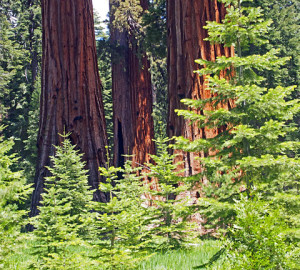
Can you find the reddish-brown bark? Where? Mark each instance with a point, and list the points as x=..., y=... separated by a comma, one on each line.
x=132, y=99
x=71, y=98
x=186, y=35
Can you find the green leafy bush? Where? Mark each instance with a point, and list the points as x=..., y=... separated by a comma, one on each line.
x=257, y=239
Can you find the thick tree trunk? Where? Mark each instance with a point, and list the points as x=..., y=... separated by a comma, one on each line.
x=132, y=99
x=186, y=35
x=71, y=98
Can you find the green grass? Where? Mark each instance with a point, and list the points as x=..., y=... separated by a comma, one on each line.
x=21, y=258
x=182, y=259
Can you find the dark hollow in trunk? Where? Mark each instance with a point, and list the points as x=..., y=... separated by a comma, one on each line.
x=132, y=98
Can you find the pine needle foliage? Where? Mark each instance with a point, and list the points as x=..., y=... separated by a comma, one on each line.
x=128, y=17
x=20, y=58
x=13, y=193
x=121, y=225
x=64, y=215
x=254, y=153
x=170, y=203
x=254, y=149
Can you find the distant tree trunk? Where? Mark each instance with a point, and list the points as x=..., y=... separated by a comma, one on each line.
x=71, y=98
x=33, y=66
x=132, y=98
x=33, y=47
x=186, y=35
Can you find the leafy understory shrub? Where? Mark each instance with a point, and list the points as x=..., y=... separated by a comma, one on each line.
x=13, y=193
x=64, y=217
x=290, y=204
x=257, y=239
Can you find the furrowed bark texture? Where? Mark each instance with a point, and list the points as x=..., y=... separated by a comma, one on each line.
x=132, y=98
x=186, y=35
x=71, y=98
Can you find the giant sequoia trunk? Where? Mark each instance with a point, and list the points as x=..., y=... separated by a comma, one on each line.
x=132, y=98
x=186, y=35
x=71, y=90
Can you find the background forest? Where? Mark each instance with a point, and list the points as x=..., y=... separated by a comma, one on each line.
x=169, y=140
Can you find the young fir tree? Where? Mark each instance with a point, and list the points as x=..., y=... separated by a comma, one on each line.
x=121, y=225
x=253, y=151
x=169, y=206
x=13, y=193
x=64, y=215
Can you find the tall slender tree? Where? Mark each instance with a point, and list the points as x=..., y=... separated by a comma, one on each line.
x=71, y=98
x=186, y=42
x=132, y=91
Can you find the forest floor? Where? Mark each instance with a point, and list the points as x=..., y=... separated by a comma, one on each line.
x=182, y=259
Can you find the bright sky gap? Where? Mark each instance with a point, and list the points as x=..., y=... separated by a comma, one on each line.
x=102, y=7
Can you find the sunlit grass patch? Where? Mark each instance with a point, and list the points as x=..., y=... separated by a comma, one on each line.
x=182, y=259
